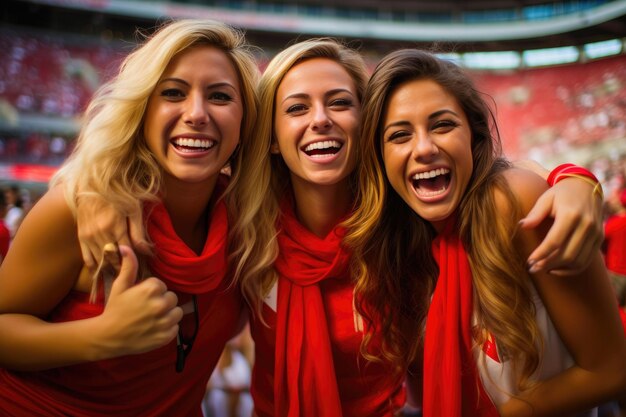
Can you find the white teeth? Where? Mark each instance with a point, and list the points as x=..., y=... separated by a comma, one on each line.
x=194, y=143
x=323, y=145
x=430, y=174
x=423, y=193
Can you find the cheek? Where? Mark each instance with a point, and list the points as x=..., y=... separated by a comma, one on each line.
x=392, y=160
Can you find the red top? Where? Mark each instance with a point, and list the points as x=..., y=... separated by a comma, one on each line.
x=365, y=388
x=615, y=237
x=145, y=384
x=5, y=239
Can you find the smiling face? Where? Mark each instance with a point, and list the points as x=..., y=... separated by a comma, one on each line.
x=194, y=114
x=427, y=149
x=316, y=122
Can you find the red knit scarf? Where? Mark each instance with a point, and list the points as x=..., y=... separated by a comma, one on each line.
x=304, y=374
x=179, y=266
x=451, y=384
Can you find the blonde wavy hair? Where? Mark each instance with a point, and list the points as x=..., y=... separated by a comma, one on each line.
x=396, y=272
x=111, y=159
x=266, y=179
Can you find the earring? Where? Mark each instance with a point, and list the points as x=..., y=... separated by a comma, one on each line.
x=274, y=148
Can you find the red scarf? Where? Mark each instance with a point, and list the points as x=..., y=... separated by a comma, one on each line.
x=451, y=384
x=304, y=373
x=179, y=266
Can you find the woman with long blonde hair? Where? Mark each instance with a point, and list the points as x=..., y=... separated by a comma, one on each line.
x=155, y=140
x=441, y=260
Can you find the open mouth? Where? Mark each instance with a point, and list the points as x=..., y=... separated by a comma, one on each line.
x=193, y=145
x=323, y=149
x=431, y=183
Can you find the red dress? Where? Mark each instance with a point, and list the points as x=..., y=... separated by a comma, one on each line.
x=137, y=385
x=145, y=384
x=364, y=388
x=615, y=237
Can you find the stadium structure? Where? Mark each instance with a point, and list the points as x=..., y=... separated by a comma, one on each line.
x=556, y=70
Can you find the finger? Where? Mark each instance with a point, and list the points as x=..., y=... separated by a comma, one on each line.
x=550, y=247
x=540, y=211
x=128, y=271
x=89, y=244
x=88, y=258
x=170, y=301
x=152, y=286
x=111, y=256
x=174, y=316
x=539, y=265
x=580, y=261
x=136, y=233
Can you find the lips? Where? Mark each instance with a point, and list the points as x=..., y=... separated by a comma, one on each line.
x=432, y=183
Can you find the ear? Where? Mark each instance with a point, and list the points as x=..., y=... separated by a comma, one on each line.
x=274, y=149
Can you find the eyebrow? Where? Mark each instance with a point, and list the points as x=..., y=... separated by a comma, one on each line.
x=430, y=117
x=327, y=94
x=181, y=81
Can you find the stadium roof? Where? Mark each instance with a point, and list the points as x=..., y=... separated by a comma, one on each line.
x=482, y=25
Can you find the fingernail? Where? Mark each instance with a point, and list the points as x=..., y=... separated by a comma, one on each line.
x=534, y=269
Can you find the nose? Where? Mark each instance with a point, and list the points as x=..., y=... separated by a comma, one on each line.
x=196, y=112
x=424, y=146
x=320, y=118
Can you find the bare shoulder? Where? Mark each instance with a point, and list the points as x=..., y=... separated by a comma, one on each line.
x=44, y=258
x=526, y=185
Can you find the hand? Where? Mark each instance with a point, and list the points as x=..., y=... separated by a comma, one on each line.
x=577, y=230
x=99, y=223
x=138, y=317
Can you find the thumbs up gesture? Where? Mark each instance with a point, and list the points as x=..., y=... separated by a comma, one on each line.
x=138, y=317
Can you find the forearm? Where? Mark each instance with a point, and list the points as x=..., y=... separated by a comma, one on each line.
x=31, y=344
x=565, y=394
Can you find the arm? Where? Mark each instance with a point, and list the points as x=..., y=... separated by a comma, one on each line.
x=42, y=266
x=584, y=312
x=577, y=229
x=99, y=223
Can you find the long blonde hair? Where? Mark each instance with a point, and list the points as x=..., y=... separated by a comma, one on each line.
x=395, y=269
x=111, y=159
x=266, y=178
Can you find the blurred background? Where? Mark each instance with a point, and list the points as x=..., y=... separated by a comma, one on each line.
x=556, y=70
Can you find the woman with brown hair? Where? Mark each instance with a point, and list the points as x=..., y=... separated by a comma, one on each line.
x=442, y=261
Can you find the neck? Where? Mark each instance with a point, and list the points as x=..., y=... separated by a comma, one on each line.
x=321, y=207
x=188, y=207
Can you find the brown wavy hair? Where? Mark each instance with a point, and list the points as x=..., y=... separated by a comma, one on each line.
x=396, y=272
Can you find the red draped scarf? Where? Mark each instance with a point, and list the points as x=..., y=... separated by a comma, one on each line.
x=179, y=266
x=305, y=383
x=452, y=387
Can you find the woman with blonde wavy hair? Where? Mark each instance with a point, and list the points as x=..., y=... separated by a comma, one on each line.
x=154, y=140
x=306, y=332
x=441, y=260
